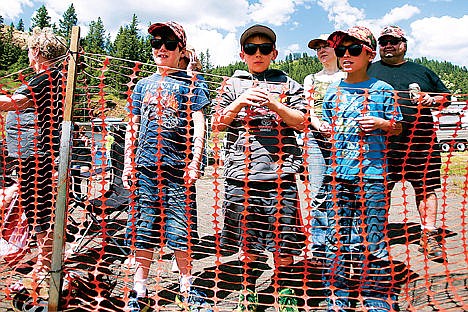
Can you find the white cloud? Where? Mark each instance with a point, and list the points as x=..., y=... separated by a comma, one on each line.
x=443, y=38
x=275, y=12
x=293, y=48
x=341, y=13
x=210, y=24
x=396, y=15
x=13, y=9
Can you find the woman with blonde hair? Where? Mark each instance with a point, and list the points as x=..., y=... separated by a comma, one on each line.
x=43, y=92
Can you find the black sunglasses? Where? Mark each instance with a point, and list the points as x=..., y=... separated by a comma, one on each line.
x=354, y=50
x=384, y=42
x=171, y=45
x=251, y=48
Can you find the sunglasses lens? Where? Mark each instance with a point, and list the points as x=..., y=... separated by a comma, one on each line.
x=171, y=45
x=383, y=43
x=156, y=43
x=250, y=48
x=355, y=49
x=340, y=51
x=266, y=48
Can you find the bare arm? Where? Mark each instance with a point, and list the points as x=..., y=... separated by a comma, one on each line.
x=15, y=102
x=129, y=154
x=198, y=144
x=370, y=123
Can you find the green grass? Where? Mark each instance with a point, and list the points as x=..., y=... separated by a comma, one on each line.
x=457, y=166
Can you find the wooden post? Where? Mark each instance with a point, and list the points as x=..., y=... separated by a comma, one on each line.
x=56, y=276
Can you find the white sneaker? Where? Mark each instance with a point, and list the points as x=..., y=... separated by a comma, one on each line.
x=174, y=267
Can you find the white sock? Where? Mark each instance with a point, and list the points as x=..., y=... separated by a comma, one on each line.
x=185, y=282
x=140, y=287
x=428, y=228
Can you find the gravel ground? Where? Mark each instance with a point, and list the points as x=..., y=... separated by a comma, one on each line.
x=430, y=286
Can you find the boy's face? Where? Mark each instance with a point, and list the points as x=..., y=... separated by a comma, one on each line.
x=353, y=55
x=166, y=50
x=263, y=53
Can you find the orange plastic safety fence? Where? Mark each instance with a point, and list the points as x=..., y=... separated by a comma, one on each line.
x=258, y=226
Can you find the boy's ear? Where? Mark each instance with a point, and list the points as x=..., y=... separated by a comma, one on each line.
x=241, y=55
x=372, y=55
x=274, y=55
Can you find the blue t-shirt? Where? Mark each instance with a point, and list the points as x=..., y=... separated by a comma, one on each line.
x=164, y=105
x=353, y=150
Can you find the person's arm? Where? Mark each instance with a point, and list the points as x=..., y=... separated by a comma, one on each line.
x=226, y=115
x=371, y=123
x=131, y=135
x=292, y=117
x=198, y=145
x=15, y=102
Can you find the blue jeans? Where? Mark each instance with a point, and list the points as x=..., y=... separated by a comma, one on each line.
x=162, y=209
x=316, y=165
x=316, y=170
x=357, y=254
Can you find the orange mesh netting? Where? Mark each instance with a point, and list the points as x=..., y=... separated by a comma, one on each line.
x=339, y=250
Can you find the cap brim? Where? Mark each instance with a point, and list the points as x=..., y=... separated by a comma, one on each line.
x=258, y=30
x=157, y=27
x=314, y=43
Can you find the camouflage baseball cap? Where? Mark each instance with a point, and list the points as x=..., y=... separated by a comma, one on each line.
x=360, y=33
x=174, y=27
x=393, y=31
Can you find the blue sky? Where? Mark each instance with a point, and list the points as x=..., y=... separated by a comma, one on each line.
x=436, y=29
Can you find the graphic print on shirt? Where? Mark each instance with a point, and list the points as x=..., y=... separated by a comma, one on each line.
x=162, y=105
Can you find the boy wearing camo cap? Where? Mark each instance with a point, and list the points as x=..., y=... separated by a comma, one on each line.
x=162, y=108
x=361, y=113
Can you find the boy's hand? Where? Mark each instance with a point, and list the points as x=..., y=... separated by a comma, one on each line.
x=369, y=123
x=325, y=129
x=192, y=174
x=255, y=97
x=127, y=176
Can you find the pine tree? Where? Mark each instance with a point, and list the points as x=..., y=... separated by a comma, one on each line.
x=20, y=25
x=69, y=20
x=127, y=43
x=11, y=52
x=95, y=40
x=41, y=19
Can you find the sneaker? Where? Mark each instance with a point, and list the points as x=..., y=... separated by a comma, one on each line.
x=429, y=244
x=174, y=267
x=138, y=304
x=287, y=301
x=194, y=301
x=248, y=302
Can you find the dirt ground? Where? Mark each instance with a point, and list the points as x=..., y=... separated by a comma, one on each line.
x=430, y=286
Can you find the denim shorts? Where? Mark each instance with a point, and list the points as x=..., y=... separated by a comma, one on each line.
x=162, y=209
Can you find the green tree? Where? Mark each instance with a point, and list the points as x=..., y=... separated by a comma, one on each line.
x=20, y=25
x=41, y=19
x=69, y=20
x=95, y=41
x=12, y=57
x=128, y=45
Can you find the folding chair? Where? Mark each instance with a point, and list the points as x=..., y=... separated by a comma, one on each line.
x=100, y=195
